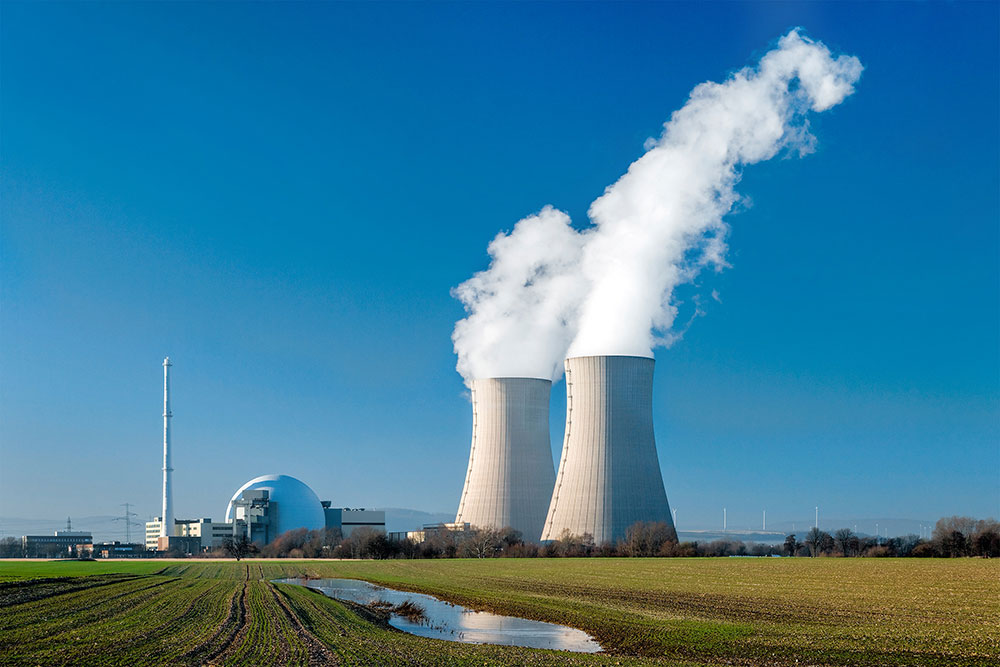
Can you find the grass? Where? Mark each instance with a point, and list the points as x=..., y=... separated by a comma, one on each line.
x=643, y=611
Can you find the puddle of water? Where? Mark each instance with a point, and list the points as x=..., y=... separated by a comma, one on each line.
x=444, y=620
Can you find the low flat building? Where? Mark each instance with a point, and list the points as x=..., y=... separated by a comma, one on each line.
x=119, y=550
x=429, y=530
x=61, y=543
x=347, y=520
x=188, y=546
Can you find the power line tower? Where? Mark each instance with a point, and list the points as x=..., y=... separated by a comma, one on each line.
x=127, y=518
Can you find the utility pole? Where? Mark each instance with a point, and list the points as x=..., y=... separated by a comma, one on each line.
x=127, y=518
x=723, y=519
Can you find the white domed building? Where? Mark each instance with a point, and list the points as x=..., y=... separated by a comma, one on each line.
x=270, y=505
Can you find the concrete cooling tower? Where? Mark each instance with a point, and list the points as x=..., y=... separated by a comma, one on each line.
x=609, y=474
x=510, y=477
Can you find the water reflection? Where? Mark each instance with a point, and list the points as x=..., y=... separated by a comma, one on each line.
x=444, y=620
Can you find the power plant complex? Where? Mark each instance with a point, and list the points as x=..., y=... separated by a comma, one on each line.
x=262, y=509
x=609, y=473
x=608, y=476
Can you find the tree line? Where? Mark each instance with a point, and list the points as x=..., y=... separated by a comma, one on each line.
x=954, y=536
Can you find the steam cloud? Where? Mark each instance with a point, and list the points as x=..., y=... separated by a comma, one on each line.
x=552, y=291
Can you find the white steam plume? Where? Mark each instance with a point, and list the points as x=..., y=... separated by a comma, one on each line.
x=523, y=307
x=551, y=291
x=662, y=221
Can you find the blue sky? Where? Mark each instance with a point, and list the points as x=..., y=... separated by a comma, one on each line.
x=281, y=196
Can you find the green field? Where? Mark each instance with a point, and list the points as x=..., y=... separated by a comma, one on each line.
x=643, y=611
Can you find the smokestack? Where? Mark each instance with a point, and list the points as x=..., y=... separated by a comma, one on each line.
x=609, y=474
x=167, y=525
x=510, y=475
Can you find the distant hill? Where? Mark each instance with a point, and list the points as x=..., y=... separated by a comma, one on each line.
x=759, y=536
x=863, y=527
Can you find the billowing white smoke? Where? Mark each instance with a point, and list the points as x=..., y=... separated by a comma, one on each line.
x=551, y=291
x=522, y=309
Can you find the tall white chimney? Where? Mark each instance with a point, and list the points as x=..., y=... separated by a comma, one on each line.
x=167, y=524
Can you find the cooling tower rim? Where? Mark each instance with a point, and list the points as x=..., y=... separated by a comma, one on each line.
x=511, y=377
x=606, y=356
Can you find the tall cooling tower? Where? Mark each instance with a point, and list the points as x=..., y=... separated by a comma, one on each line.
x=609, y=474
x=510, y=477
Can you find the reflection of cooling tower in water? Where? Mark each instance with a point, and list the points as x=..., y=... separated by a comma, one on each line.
x=609, y=475
x=510, y=476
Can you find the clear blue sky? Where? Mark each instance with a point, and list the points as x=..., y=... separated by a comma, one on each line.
x=280, y=196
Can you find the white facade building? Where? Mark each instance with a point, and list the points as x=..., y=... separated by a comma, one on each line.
x=153, y=532
x=211, y=533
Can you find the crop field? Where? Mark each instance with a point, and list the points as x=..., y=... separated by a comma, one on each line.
x=642, y=611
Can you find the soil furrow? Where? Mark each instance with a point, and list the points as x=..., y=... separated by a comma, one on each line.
x=318, y=652
x=234, y=625
x=21, y=592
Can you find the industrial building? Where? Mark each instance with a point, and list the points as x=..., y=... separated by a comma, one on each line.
x=510, y=475
x=153, y=532
x=60, y=543
x=428, y=531
x=270, y=505
x=210, y=533
x=609, y=473
x=348, y=520
x=262, y=509
x=116, y=549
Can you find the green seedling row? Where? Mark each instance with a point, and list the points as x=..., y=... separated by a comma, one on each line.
x=643, y=611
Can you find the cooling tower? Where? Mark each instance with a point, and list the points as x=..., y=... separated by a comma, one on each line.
x=510, y=477
x=609, y=475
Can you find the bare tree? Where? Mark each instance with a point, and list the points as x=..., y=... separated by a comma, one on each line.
x=484, y=543
x=843, y=539
x=239, y=547
x=644, y=539
x=10, y=547
x=571, y=546
x=950, y=535
x=816, y=540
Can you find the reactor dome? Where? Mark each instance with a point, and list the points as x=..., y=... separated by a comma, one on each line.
x=298, y=506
